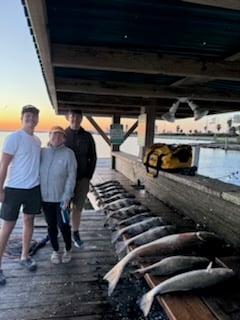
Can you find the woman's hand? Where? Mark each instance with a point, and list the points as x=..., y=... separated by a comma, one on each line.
x=65, y=204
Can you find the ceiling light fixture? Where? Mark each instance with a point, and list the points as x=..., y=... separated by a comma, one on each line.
x=197, y=112
x=170, y=115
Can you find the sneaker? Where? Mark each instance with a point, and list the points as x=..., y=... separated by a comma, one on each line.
x=2, y=278
x=77, y=241
x=66, y=257
x=29, y=264
x=55, y=257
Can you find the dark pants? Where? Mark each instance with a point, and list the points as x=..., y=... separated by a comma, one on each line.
x=52, y=212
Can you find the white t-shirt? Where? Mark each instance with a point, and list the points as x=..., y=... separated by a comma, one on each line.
x=23, y=170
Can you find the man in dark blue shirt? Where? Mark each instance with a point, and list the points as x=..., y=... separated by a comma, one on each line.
x=83, y=145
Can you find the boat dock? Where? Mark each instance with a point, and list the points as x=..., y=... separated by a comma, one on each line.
x=77, y=290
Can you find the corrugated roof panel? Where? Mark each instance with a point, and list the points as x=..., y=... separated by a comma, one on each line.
x=172, y=27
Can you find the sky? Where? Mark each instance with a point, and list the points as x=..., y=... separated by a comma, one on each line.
x=21, y=81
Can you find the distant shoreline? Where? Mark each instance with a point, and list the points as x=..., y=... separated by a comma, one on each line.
x=235, y=147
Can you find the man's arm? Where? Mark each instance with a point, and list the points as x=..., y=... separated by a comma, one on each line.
x=92, y=156
x=4, y=163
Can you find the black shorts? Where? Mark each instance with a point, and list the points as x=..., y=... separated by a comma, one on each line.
x=30, y=199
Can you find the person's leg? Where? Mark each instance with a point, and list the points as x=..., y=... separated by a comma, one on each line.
x=27, y=232
x=66, y=233
x=31, y=200
x=9, y=214
x=81, y=190
x=5, y=231
x=50, y=212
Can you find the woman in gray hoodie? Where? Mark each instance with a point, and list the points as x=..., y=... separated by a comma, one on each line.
x=58, y=168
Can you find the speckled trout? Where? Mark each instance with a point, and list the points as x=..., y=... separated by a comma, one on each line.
x=180, y=243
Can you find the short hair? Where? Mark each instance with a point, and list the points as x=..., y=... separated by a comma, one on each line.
x=76, y=111
x=30, y=108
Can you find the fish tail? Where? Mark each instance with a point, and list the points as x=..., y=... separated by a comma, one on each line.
x=113, y=276
x=120, y=246
x=146, y=302
x=115, y=235
x=209, y=267
x=138, y=273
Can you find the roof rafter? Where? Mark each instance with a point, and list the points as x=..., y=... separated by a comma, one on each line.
x=141, y=62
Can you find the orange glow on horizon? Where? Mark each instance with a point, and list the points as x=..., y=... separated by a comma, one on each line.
x=11, y=121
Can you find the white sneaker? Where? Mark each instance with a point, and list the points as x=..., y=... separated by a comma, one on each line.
x=55, y=257
x=66, y=256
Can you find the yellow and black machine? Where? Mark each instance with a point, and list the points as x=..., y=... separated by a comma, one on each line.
x=170, y=158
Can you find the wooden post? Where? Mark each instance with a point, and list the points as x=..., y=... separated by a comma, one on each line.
x=115, y=147
x=150, y=129
x=196, y=154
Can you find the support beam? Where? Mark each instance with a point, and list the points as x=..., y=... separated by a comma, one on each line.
x=131, y=130
x=99, y=130
x=141, y=62
x=144, y=90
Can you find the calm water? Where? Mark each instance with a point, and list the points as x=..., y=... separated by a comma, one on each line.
x=214, y=163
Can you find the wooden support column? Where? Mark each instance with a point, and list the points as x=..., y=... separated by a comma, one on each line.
x=150, y=129
x=115, y=147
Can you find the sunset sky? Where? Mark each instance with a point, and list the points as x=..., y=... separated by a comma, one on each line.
x=22, y=83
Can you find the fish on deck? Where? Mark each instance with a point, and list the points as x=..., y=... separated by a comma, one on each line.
x=139, y=227
x=180, y=243
x=116, y=197
x=127, y=212
x=133, y=219
x=173, y=265
x=120, y=203
x=191, y=280
x=105, y=183
x=146, y=236
x=108, y=191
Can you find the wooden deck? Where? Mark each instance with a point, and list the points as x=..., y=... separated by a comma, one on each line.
x=77, y=290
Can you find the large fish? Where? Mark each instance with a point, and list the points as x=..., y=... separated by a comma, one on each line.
x=133, y=219
x=127, y=212
x=173, y=265
x=117, y=197
x=139, y=227
x=120, y=203
x=108, y=190
x=105, y=183
x=146, y=236
x=196, y=279
x=110, y=194
x=172, y=244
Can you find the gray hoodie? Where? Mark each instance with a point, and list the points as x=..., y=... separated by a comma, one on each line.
x=58, y=169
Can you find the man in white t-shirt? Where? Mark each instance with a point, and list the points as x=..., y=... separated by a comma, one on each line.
x=19, y=184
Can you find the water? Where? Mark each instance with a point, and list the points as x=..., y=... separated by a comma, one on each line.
x=215, y=163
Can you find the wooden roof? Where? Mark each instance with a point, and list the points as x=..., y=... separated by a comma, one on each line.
x=114, y=57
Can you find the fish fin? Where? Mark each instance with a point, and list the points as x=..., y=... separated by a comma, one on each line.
x=146, y=302
x=113, y=276
x=115, y=235
x=120, y=246
x=209, y=267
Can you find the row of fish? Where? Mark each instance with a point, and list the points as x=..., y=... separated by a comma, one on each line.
x=182, y=256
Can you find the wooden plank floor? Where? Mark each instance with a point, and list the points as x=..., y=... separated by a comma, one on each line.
x=65, y=291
